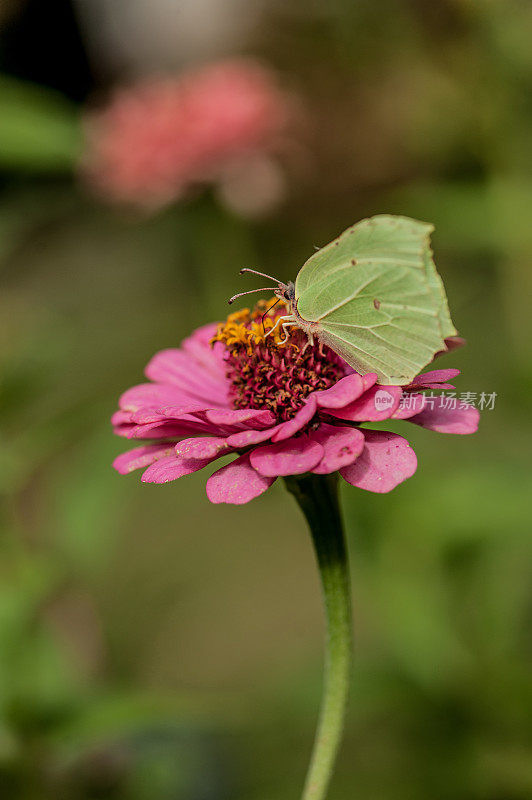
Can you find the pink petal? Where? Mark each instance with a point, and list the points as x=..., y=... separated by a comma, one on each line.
x=369, y=379
x=166, y=430
x=410, y=405
x=454, y=342
x=427, y=379
x=201, y=336
x=378, y=403
x=462, y=419
x=203, y=447
x=141, y=457
x=437, y=387
x=292, y=457
x=210, y=356
x=287, y=429
x=163, y=414
x=451, y=343
x=386, y=461
x=151, y=395
x=122, y=430
x=247, y=438
x=186, y=375
x=172, y=467
x=250, y=417
x=121, y=418
x=340, y=447
x=237, y=483
x=343, y=392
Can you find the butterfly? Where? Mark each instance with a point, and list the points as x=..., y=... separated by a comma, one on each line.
x=374, y=296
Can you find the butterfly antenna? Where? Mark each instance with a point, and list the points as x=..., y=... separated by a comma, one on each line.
x=267, y=312
x=262, y=274
x=252, y=291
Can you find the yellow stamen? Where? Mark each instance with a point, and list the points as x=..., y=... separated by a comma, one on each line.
x=248, y=328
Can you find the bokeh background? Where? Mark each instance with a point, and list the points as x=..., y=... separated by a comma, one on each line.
x=153, y=645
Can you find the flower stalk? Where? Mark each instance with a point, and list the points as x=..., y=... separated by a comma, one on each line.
x=317, y=496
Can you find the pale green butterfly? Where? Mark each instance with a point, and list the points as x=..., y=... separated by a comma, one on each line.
x=373, y=295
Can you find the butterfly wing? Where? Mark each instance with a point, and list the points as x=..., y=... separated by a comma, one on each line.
x=376, y=297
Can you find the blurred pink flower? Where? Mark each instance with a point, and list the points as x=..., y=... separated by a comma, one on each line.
x=283, y=410
x=158, y=138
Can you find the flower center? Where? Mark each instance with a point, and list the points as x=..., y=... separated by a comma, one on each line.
x=274, y=372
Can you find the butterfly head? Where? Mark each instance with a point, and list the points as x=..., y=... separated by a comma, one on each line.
x=286, y=292
x=283, y=291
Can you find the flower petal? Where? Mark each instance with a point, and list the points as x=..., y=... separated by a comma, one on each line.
x=386, y=461
x=410, y=405
x=287, y=429
x=147, y=415
x=166, y=430
x=378, y=403
x=210, y=356
x=341, y=446
x=343, y=392
x=247, y=438
x=152, y=395
x=451, y=343
x=437, y=387
x=185, y=374
x=172, y=467
x=252, y=418
x=121, y=418
x=462, y=419
x=202, y=447
x=237, y=483
x=434, y=376
x=202, y=335
x=141, y=457
x=292, y=457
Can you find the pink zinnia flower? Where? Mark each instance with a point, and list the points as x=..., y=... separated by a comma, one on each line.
x=281, y=408
x=158, y=138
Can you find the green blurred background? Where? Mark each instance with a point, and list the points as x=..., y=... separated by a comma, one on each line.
x=153, y=645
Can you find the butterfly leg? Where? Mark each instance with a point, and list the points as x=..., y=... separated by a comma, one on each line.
x=279, y=321
x=309, y=342
x=286, y=325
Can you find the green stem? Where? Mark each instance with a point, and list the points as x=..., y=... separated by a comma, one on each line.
x=317, y=496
